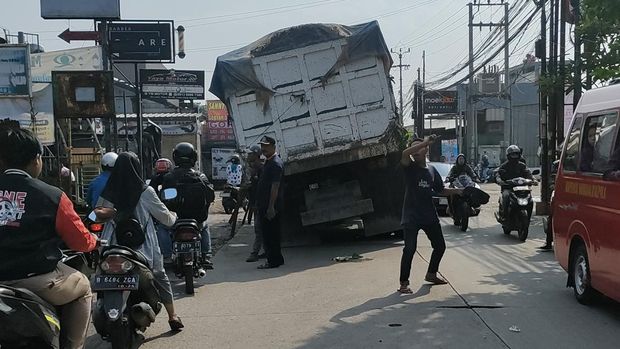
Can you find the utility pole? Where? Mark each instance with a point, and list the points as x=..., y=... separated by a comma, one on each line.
x=419, y=122
x=471, y=96
x=545, y=166
x=424, y=88
x=470, y=116
x=577, y=63
x=400, y=66
x=562, y=78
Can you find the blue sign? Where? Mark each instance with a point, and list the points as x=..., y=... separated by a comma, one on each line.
x=14, y=71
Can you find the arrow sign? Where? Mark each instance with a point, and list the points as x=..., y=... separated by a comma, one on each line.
x=69, y=36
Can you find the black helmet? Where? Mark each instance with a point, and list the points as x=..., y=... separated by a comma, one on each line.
x=184, y=153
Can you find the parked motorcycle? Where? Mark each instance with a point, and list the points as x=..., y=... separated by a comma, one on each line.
x=27, y=321
x=520, y=206
x=230, y=199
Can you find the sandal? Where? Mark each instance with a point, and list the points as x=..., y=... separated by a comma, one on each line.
x=176, y=324
x=404, y=288
x=435, y=280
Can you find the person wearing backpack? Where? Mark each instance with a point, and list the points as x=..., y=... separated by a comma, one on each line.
x=126, y=199
x=194, y=194
x=419, y=213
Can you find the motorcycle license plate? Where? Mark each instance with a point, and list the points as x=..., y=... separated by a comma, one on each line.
x=187, y=247
x=522, y=188
x=443, y=201
x=104, y=282
x=225, y=195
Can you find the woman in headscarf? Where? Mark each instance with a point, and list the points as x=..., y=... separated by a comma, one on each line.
x=127, y=194
x=461, y=167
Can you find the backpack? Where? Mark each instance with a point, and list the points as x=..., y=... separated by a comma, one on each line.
x=129, y=232
x=194, y=196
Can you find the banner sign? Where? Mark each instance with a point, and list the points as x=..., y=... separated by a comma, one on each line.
x=81, y=9
x=173, y=84
x=219, y=159
x=142, y=41
x=440, y=102
x=19, y=109
x=42, y=64
x=15, y=71
x=83, y=94
x=450, y=150
x=217, y=127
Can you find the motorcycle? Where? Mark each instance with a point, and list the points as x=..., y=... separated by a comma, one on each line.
x=230, y=199
x=186, y=247
x=463, y=206
x=127, y=298
x=27, y=321
x=520, y=206
x=186, y=252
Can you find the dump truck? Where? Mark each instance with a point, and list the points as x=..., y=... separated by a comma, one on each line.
x=323, y=91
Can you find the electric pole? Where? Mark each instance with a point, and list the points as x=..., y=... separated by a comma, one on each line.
x=400, y=67
x=541, y=52
x=472, y=92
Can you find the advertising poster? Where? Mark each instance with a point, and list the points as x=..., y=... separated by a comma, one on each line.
x=219, y=158
x=217, y=128
x=450, y=149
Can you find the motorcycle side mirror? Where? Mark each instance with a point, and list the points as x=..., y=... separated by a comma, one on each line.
x=536, y=172
x=169, y=194
x=92, y=216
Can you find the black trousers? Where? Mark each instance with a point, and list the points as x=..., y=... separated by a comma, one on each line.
x=272, y=239
x=434, y=234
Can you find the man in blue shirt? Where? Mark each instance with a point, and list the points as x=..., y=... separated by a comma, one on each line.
x=419, y=213
x=96, y=186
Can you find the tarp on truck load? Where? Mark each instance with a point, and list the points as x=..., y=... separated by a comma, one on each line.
x=234, y=71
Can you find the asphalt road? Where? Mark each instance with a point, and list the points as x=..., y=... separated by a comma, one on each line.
x=496, y=283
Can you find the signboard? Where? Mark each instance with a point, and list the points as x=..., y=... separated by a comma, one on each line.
x=219, y=158
x=173, y=84
x=80, y=9
x=14, y=71
x=83, y=94
x=440, y=102
x=18, y=109
x=450, y=150
x=42, y=64
x=217, y=128
x=142, y=41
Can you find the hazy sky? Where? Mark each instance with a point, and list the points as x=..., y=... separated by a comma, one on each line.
x=216, y=27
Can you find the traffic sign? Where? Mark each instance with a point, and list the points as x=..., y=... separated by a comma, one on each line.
x=136, y=42
x=69, y=36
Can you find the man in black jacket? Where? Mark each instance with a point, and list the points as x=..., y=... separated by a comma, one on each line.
x=512, y=168
x=195, y=193
x=34, y=218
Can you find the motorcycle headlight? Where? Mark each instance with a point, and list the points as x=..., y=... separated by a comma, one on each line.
x=522, y=202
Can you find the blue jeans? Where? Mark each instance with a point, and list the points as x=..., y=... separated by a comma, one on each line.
x=165, y=240
x=205, y=243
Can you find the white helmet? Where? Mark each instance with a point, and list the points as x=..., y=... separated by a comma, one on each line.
x=108, y=160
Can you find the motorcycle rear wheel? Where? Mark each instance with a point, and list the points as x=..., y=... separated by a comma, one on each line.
x=188, y=272
x=464, y=216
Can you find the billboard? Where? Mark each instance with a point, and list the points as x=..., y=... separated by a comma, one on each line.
x=83, y=94
x=15, y=71
x=137, y=42
x=42, y=64
x=440, y=102
x=173, y=84
x=80, y=9
x=19, y=109
x=217, y=128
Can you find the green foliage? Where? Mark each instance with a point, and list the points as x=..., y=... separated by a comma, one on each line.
x=600, y=30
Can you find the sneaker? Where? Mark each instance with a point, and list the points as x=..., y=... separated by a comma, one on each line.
x=262, y=256
x=434, y=279
x=252, y=258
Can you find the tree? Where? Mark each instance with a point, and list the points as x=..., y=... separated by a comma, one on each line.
x=599, y=28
